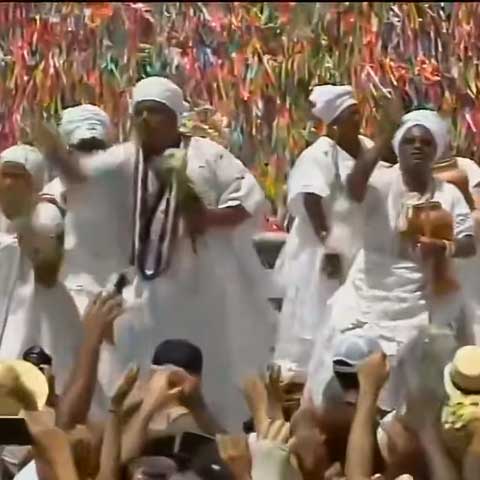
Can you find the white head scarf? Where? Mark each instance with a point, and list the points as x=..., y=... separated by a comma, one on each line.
x=161, y=90
x=84, y=121
x=31, y=159
x=331, y=100
x=48, y=219
x=432, y=121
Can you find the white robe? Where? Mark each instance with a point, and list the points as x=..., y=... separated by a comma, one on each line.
x=34, y=315
x=298, y=268
x=469, y=268
x=216, y=299
x=384, y=295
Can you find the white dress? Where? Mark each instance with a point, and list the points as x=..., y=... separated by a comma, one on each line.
x=35, y=315
x=214, y=298
x=298, y=268
x=384, y=295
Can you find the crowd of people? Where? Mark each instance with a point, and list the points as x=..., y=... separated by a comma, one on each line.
x=137, y=339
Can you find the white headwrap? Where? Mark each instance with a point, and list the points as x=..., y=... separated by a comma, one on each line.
x=47, y=219
x=84, y=121
x=31, y=159
x=161, y=90
x=432, y=121
x=331, y=100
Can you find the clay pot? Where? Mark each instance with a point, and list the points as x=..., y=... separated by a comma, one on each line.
x=449, y=171
x=430, y=220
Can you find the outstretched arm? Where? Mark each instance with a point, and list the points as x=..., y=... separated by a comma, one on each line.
x=48, y=140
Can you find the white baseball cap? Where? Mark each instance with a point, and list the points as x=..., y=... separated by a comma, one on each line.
x=351, y=350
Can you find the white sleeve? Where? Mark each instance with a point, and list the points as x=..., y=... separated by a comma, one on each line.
x=236, y=185
x=462, y=216
x=472, y=170
x=108, y=181
x=313, y=172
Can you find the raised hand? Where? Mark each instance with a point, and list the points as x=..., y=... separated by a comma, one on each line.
x=374, y=372
x=124, y=388
x=101, y=314
x=164, y=387
x=235, y=453
x=257, y=400
x=273, y=384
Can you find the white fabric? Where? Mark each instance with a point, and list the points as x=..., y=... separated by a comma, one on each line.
x=469, y=268
x=437, y=126
x=41, y=316
x=298, y=268
x=384, y=294
x=84, y=122
x=331, y=100
x=31, y=159
x=215, y=298
x=29, y=472
x=271, y=460
x=161, y=90
x=471, y=169
x=47, y=219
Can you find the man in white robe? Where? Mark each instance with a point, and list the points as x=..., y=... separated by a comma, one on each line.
x=199, y=287
x=325, y=235
x=388, y=293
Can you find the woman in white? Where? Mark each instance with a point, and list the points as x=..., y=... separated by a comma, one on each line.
x=22, y=173
x=22, y=176
x=388, y=294
x=184, y=218
x=324, y=236
x=39, y=309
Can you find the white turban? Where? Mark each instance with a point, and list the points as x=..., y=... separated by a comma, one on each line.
x=31, y=159
x=432, y=121
x=330, y=100
x=161, y=90
x=48, y=219
x=84, y=121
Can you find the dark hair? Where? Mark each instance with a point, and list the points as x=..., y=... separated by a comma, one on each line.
x=37, y=356
x=348, y=381
x=181, y=353
x=88, y=145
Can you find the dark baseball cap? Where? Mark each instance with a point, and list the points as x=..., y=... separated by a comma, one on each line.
x=180, y=353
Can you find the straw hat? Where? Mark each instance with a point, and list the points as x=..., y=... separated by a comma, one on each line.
x=462, y=375
x=22, y=385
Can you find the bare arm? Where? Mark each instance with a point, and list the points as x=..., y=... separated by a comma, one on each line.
x=111, y=453
x=471, y=463
x=134, y=436
x=227, y=217
x=357, y=179
x=316, y=214
x=361, y=442
x=372, y=375
x=440, y=465
x=48, y=141
x=110, y=457
x=205, y=420
x=75, y=402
